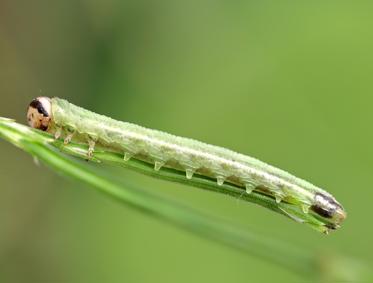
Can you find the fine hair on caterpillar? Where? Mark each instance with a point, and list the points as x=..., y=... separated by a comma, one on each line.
x=73, y=123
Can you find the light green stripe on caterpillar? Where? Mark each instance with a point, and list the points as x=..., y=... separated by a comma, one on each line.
x=60, y=117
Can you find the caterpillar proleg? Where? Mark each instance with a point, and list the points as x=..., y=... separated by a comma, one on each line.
x=63, y=119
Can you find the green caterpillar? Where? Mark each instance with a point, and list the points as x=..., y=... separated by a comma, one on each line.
x=59, y=117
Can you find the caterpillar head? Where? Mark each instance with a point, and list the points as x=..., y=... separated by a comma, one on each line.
x=39, y=113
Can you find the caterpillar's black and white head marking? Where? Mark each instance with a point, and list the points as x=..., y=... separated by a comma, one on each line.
x=39, y=113
x=329, y=208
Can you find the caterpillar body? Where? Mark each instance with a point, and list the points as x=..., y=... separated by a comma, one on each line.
x=59, y=117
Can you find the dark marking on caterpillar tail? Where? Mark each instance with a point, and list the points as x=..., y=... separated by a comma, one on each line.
x=329, y=208
x=321, y=211
x=332, y=226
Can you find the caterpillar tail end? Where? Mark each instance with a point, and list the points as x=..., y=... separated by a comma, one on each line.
x=328, y=209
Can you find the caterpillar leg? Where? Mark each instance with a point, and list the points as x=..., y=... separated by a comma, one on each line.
x=91, y=148
x=305, y=208
x=278, y=198
x=68, y=138
x=127, y=156
x=189, y=173
x=158, y=165
x=58, y=133
x=249, y=187
x=220, y=180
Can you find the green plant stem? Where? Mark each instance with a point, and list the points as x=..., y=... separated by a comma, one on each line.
x=215, y=229
x=329, y=268
x=179, y=215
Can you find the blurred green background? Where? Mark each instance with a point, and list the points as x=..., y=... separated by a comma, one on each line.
x=288, y=82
